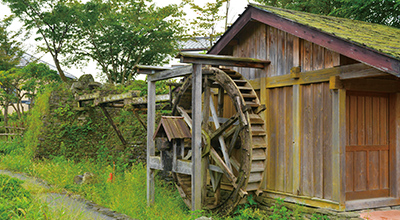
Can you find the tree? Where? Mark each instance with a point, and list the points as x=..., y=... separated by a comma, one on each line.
x=208, y=17
x=119, y=34
x=385, y=12
x=10, y=53
x=53, y=20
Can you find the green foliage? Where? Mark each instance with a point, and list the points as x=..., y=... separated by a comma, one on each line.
x=281, y=212
x=120, y=34
x=15, y=201
x=319, y=217
x=52, y=20
x=208, y=16
x=35, y=122
x=249, y=211
x=385, y=12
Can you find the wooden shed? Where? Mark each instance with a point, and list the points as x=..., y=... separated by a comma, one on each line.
x=332, y=94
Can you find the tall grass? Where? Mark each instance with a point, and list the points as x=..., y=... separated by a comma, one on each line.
x=127, y=194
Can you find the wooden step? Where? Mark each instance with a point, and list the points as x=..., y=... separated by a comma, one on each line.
x=251, y=104
x=261, y=146
x=244, y=88
x=257, y=166
x=258, y=154
x=249, y=95
x=240, y=81
x=255, y=177
x=258, y=132
x=258, y=141
x=252, y=187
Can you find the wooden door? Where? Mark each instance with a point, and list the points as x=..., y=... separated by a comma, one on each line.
x=367, y=145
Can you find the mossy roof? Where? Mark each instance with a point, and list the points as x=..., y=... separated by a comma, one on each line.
x=378, y=37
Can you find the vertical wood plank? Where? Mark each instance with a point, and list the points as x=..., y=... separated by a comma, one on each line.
x=296, y=51
x=349, y=171
x=281, y=59
x=360, y=120
x=196, y=137
x=353, y=121
x=307, y=145
x=288, y=139
x=273, y=139
x=373, y=169
x=375, y=120
x=307, y=56
x=383, y=119
x=360, y=171
x=280, y=148
x=338, y=145
x=318, y=164
x=289, y=52
x=151, y=113
x=296, y=139
x=273, y=50
x=327, y=141
x=368, y=120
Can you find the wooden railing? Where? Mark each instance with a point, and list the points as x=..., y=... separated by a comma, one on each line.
x=11, y=132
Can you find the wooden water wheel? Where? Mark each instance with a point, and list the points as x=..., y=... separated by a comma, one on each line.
x=233, y=139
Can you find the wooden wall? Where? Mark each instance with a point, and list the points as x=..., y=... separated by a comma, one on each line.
x=314, y=156
x=284, y=50
x=316, y=141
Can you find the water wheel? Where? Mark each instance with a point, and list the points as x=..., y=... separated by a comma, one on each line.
x=233, y=139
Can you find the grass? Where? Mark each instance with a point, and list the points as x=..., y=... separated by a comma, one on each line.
x=127, y=194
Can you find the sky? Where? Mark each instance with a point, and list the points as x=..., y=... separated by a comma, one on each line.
x=236, y=7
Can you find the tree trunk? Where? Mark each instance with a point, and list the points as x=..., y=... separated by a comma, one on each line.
x=60, y=71
x=5, y=115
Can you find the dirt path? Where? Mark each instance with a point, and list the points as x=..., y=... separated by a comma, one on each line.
x=69, y=204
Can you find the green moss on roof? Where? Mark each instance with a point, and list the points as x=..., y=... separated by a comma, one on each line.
x=378, y=37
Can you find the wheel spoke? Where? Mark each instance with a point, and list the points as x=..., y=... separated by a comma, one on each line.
x=185, y=116
x=224, y=126
x=220, y=138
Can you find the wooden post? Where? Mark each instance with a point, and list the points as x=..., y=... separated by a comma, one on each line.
x=339, y=146
x=205, y=127
x=296, y=139
x=196, y=137
x=151, y=120
x=396, y=140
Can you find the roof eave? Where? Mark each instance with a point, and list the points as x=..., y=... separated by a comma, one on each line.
x=365, y=55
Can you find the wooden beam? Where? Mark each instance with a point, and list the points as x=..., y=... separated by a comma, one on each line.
x=353, y=71
x=224, y=126
x=142, y=69
x=196, y=137
x=205, y=59
x=151, y=120
x=113, y=125
x=338, y=146
x=182, y=166
x=171, y=73
x=115, y=97
x=335, y=83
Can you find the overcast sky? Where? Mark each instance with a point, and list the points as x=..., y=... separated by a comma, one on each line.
x=236, y=7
